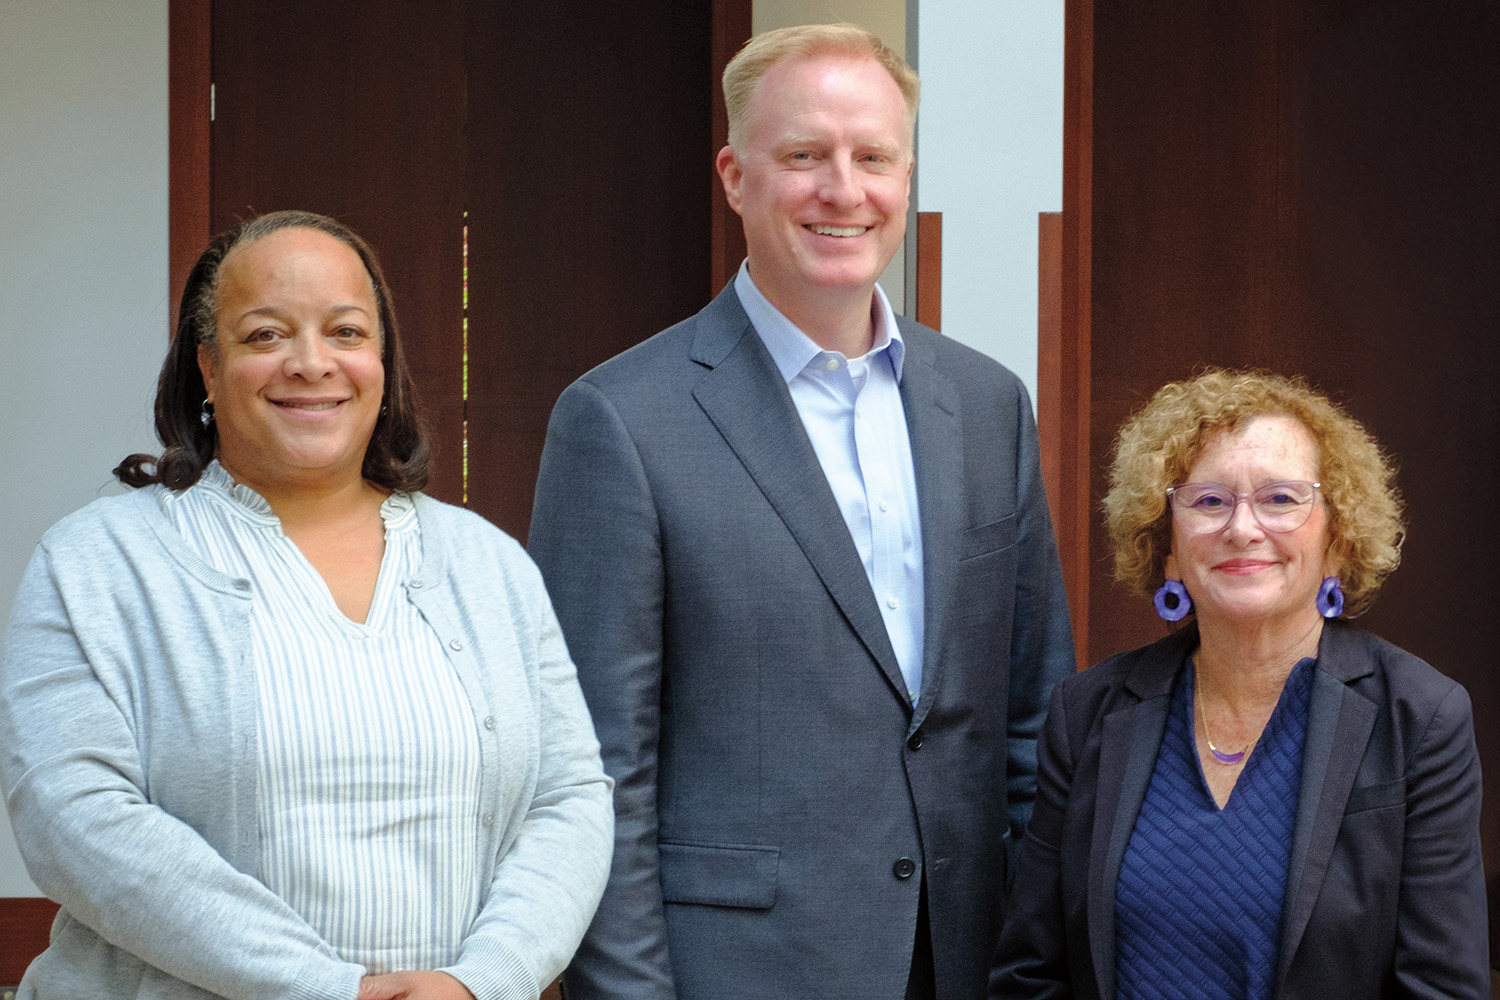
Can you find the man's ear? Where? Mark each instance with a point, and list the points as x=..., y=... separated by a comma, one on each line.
x=730, y=175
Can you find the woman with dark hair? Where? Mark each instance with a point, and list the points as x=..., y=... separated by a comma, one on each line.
x=1267, y=803
x=278, y=724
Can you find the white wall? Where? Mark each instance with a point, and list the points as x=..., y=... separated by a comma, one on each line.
x=83, y=264
x=989, y=157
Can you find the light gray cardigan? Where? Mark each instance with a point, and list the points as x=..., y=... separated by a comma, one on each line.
x=128, y=762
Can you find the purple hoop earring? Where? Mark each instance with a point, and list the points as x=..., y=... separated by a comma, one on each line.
x=1172, y=601
x=1330, y=598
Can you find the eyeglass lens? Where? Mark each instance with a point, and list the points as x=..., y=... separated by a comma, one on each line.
x=1204, y=507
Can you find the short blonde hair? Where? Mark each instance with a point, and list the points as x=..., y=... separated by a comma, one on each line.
x=805, y=41
x=1158, y=445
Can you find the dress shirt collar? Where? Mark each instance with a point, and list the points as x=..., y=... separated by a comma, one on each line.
x=793, y=350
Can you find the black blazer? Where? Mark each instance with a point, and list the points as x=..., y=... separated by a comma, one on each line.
x=1385, y=887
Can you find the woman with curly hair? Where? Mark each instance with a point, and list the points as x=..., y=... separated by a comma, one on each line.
x=1268, y=802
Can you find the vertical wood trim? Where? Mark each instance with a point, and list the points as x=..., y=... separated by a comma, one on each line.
x=1075, y=501
x=1056, y=383
x=189, y=76
x=731, y=29
x=24, y=925
x=930, y=269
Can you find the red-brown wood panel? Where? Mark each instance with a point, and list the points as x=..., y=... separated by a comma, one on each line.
x=731, y=30
x=1309, y=187
x=189, y=75
x=590, y=183
x=361, y=118
x=24, y=924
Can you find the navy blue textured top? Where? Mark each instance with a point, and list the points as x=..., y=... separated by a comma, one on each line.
x=1199, y=900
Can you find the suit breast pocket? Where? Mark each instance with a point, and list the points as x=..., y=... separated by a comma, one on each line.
x=993, y=537
x=742, y=875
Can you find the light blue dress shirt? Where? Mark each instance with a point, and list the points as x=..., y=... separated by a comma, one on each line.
x=851, y=408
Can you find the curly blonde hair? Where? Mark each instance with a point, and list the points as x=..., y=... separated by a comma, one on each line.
x=1160, y=442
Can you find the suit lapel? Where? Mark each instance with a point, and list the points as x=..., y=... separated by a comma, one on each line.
x=1129, y=743
x=931, y=402
x=1338, y=717
x=747, y=400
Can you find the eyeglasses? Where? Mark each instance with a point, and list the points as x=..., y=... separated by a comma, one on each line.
x=1203, y=508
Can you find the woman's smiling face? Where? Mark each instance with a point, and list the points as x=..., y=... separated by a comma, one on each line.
x=1242, y=574
x=296, y=378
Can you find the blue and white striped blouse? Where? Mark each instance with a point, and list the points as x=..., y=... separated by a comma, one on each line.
x=368, y=764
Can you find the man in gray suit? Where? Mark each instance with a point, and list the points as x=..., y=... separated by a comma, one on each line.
x=802, y=557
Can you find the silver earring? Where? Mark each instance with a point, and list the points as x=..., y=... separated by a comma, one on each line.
x=207, y=414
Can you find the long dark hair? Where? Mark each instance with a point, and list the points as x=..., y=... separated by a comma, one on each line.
x=398, y=456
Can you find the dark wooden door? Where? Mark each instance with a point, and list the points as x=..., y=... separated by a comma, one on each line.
x=1307, y=186
x=557, y=156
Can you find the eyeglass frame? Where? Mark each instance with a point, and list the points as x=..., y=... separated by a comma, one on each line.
x=1238, y=498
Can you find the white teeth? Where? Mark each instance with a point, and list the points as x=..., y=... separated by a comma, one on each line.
x=308, y=406
x=839, y=230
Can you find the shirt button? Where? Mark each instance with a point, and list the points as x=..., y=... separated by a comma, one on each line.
x=884, y=505
x=455, y=645
x=489, y=722
x=415, y=585
x=891, y=602
x=915, y=740
x=488, y=819
x=832, y=364
x=904, y=868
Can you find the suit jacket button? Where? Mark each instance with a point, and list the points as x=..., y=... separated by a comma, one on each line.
x=914, y=742
x=904, y=868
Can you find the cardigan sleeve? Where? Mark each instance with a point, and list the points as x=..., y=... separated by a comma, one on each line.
x=123, y=869
x=548, y=882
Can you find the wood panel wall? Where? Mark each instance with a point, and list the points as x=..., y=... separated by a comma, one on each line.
x=1306, y=186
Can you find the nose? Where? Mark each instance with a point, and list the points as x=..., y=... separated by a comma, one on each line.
x=309, y=357
x=840, y=183
x=1243, y=525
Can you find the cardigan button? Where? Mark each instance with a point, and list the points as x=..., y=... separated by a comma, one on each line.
x=904, y=868
x=488, y=820
x=456, y=645
x=489, y=723
x=415, y=585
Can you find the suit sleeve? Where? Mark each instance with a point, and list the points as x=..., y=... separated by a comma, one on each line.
x=596, y=536
x=1442, y=947
x=135, y=875
x=1031, y=960
x=1041, y=635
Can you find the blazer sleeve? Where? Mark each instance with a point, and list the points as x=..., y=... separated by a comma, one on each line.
x=1442, y=946
x=596, y=536
x=1041, y=635
x=1031, y=960
x=138, y=877
x=547, y=884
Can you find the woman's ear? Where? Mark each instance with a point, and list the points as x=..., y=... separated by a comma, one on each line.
x=206, y=369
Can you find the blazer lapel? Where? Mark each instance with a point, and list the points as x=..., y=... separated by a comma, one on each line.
x=747, y=400
x=1130, y=740
x=1339, y=718
x=931, y=402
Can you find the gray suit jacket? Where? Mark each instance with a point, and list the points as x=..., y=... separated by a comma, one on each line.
x=1385, y=888
x=779, y=801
